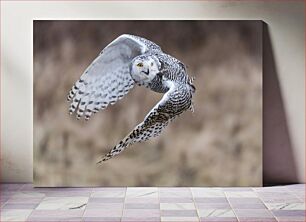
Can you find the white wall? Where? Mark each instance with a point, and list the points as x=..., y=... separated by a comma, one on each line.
x=286, y=25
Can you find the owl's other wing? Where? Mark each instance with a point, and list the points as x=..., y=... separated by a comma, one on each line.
x=174, y=102
x=107, y=79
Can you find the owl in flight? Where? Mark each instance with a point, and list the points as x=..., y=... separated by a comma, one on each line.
x=127, y=61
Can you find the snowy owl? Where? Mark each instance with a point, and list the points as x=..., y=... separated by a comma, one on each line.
x=127, y=61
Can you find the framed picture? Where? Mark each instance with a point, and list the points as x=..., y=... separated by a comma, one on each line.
x=209, y=135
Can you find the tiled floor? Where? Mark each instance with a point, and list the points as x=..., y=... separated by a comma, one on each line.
x=22, y=202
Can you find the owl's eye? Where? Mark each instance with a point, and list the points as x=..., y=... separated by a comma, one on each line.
x=140, y=65
x=151, y=63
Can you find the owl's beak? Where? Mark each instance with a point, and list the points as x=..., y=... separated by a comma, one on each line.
x=147, y=72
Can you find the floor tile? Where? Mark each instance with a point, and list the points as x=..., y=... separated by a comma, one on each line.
x=253, y=219
x=210, y=200
x=176, y=200
x=142, y=200
x=281, y=200
x=207, y=192
x=20, y=206
x=103, y=213
x=24, y=200
x=14, y=214
x=224, y=205
x=175, y=192
x=274, y=197
x=54, y=219
x=177, y=206
x=237, y=189
x=67, y=193
x=91, y=205
x=178, y=219
x=248, y=206
x=110, y=189
x=216, y=213
x=240, y=194
x=296, y=187
x=141, y=213
x=2, y=204
x=253, y=213
x=279, y=189
x=289, y=213
x=141, y=192
x=273, y=193
x=291, y=219
x=285, y=206
x=106, y=193
x=3, y=200
x=178, y=213
x=300, y=195
x=244, y=200
x=25, y=194
x=105, y=200
x=140, y=219
x=177, y=189
x=64, y=189
x=218, y=219
x=62, y=203
x=101, y=219
x=141, y=206
x=57, y=213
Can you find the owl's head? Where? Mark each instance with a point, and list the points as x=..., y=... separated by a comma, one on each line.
x=144, y=68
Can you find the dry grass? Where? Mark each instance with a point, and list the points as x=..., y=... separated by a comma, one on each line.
x=220, y=144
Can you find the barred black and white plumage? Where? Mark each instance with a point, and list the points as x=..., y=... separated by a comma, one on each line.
x=127, y=61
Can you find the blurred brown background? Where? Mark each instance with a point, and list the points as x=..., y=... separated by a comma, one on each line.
x=220, y=144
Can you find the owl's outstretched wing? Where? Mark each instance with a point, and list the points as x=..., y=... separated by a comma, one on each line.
x=107, y=79
x=173, y=103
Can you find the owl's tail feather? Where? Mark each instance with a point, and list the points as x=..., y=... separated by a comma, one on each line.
x=122, y=145
x=152, y=126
